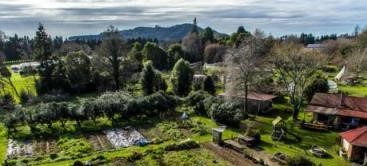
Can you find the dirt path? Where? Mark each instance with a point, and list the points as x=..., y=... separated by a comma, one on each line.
x=228, y=154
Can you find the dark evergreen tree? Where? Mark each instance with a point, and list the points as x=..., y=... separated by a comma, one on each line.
x=208, y=35
x=209, y=85
x=156, y=54
x=148, y=78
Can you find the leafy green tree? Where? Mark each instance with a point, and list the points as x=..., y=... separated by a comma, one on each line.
x=209, y=85
x=229, y=113
x=134, y=61
x=78, y=70
x=181, y=77
x=319, y=85
x=113, y=49
x=156, y=54
x=175, y=53
x=208, y=35
x=240, y=36
x=241, y=29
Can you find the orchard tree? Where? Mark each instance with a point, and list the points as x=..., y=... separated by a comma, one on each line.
x=113, y=49
x=181, y=77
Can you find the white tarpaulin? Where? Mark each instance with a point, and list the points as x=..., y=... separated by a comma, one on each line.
x=124, y=137
x=340, y=74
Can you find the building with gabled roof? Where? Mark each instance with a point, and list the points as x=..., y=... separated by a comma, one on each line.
x=354, y=144
x=258, y=102
x=338, y=109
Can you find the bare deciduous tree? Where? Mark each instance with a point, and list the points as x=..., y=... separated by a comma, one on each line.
x=243, y=70
x=357, y=61
x=296, y=69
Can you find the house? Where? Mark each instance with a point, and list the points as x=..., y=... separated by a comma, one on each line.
x=338, y=110
x=258, y=102
x=354, y=144
x=314, y=46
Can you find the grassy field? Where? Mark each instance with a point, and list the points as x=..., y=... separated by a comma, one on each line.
x=26, y=83
x=359, y=91
x=291, y=146
x=3, y=143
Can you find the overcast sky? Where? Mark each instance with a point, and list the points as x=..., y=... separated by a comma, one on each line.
x=278, y=17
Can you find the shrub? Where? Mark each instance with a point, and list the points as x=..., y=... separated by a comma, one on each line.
x=7, y=101
x=299, y=161
x=134, y=156
x=196, y=99
x=78, y=163
x=229, y=113
x=319, y=85
x=209, y=85
x=183, y=145
x=53, y=156
x=330, y=68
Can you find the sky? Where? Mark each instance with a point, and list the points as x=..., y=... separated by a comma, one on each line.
x=276, y=17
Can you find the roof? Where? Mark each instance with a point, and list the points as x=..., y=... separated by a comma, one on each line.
x=357, y=137
x=314, y=46
x=252, y=96
x=338, y=104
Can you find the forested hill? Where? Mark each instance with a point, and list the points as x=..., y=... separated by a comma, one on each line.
x=173, y=33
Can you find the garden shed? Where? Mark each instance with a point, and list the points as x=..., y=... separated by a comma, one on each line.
x=354, y=144
x=258, y=102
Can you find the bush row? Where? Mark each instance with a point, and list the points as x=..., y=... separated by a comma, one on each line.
x=110, y=105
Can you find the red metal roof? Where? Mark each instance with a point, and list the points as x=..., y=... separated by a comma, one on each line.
x=342, y=105
x=357, y=137
x=252, y=96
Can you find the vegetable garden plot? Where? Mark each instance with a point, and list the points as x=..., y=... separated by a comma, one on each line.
x=99, y=142
x=125, y=137
x=41, y=147
x=19, y=148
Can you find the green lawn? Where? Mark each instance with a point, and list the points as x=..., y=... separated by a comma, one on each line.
x=292, y=147
x=359, y=91
x=3, y=143
x=26, y=83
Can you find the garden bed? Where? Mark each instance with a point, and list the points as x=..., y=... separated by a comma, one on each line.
x=42, y=147
x=19, y=148
x=99, y=142
x=125, y=137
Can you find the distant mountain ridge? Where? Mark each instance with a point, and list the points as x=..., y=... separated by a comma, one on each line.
x=166, y=34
